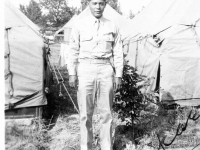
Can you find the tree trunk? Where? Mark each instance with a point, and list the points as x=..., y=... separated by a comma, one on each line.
x=133, y=132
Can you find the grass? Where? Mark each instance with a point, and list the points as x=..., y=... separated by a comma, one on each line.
x=22, y=137
x=188, y=139
x=65, y=135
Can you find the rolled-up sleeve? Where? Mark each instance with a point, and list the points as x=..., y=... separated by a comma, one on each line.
x=74, y=47
x=118, y=55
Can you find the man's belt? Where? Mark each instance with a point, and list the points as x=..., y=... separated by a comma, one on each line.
x=95, y=61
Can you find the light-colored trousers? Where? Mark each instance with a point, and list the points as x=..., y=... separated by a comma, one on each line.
x=95, y=80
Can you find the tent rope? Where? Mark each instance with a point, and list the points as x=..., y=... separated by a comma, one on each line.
x=193, y=26
x=61, y=82
x=66, y=89
x=53, y=69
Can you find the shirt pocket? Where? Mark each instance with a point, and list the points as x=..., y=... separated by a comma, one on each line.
x=85, y=42
x=86, y=37
x=108, y=40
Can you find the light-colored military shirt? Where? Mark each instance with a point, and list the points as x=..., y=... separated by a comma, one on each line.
x=91, y=39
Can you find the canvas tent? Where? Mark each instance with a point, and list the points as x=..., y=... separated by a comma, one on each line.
x=109, y=13
x=163, y=43
x=66, y=29
x=24, y=62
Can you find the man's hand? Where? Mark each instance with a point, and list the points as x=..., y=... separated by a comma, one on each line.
x=117, y=83
x=72, y=81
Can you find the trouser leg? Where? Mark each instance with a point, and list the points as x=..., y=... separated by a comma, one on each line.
x=105, y=101
x=88, y=75
x=86, y=106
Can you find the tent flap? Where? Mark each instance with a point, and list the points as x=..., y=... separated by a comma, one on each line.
x=180, y=69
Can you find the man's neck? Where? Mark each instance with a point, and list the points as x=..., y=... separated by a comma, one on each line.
x=97, y=17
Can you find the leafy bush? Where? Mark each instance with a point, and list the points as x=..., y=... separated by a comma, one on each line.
x=130, y=101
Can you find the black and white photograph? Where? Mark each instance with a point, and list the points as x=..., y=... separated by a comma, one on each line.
x=101, y=75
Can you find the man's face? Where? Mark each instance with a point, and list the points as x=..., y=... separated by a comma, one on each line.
x=97, y=7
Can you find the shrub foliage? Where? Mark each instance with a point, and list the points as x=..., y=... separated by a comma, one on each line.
x=129, y=100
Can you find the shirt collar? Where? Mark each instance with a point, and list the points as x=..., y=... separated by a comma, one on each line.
x=93, y=20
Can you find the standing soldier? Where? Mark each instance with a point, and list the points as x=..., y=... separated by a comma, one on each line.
x=96, y=57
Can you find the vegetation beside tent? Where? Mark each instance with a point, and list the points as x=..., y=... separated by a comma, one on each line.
x=129, y=100
x=33, y=12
